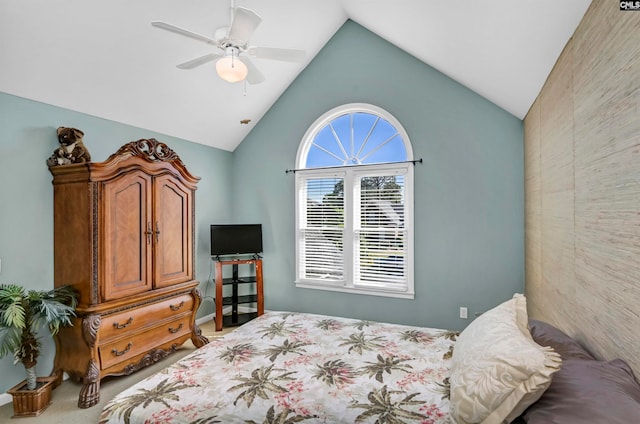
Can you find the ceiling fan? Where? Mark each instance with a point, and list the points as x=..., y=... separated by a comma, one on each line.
x=232, y=42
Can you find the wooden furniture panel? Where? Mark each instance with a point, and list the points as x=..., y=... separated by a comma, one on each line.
x=123, y=237
x=71, y=219
x=127, y=210
x=174, y=251
x=122, y=350
x=136, y=318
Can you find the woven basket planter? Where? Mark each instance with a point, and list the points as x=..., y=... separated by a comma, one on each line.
x=31, y=403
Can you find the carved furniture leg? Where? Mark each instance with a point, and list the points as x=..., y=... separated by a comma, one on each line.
x=90, y=392
x=197, y=338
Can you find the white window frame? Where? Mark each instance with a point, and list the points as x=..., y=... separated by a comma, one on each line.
x=351, y=175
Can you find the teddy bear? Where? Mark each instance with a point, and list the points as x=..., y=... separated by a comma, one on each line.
x=71, y=149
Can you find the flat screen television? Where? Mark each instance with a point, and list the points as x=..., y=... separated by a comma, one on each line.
x=236, y=239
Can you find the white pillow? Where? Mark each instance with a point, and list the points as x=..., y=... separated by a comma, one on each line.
x=497, y=368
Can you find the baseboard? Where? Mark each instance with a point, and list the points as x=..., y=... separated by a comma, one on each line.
x=205, y=318
x=6, y=397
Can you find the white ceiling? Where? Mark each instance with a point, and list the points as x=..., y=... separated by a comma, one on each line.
x=105, y=59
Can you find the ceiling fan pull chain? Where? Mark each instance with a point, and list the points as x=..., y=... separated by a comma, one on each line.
x=231, y=6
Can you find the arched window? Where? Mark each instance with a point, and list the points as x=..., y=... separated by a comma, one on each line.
x=354, y=198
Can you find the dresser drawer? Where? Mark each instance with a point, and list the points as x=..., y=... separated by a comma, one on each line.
x=137, y=318
x=121, y=350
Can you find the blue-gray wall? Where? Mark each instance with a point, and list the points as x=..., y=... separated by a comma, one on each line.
x=27, y=138
x=469, y=201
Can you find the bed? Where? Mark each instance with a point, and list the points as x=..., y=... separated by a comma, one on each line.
x=286, y=367
x=295, y=367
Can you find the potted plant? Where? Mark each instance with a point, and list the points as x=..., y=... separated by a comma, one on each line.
x=22, y=314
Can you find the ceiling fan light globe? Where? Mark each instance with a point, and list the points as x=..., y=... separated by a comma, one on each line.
x=231, y=69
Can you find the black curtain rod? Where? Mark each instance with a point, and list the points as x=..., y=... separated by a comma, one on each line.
x=352, y=166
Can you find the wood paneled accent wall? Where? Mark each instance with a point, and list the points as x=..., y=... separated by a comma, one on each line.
x=582, y=187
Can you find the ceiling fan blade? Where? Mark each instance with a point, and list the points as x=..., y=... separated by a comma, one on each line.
x=254, y=76
x=274, y=53
x=190, y=64
x=185, y=32
x=245, y=21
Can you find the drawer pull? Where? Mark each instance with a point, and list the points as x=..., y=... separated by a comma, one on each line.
x=175, y=308
x=119, y=326
x=175, y=330
x=126, y=349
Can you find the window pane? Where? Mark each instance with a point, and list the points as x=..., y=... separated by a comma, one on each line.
x=381, y=258
x=381, y=236
x=383, y=144
x=322, y=229
x=325, y=151
x=392, y=151
x=381, y=201
x=355, y=139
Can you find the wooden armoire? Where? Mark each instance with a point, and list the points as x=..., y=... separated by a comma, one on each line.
x=124, y=239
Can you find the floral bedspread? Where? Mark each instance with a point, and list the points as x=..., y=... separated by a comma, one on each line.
x=287, y=367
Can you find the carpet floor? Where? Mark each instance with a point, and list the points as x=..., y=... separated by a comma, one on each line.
x=64, y=399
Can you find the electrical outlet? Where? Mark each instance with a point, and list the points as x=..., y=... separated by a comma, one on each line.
x=463, y=312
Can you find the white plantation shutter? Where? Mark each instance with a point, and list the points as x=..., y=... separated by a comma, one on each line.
x=380, y=233
x=321, y=230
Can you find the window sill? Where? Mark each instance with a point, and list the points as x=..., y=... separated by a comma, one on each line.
x=352, y=290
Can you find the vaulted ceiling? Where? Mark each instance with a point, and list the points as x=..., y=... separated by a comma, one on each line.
x=105, y=59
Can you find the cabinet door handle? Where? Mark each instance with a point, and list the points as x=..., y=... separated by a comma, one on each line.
x=149, y=232
x=175, y=330
x=120, y=353
x=119, y=326
x=176, y=307
x=157, y=231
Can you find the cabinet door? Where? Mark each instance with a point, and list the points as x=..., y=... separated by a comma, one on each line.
x=173, y=254
x=126, y=241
